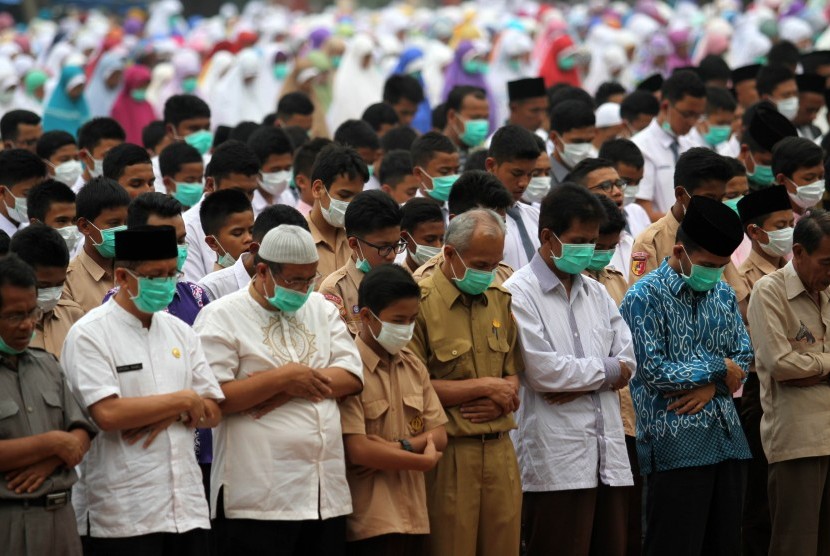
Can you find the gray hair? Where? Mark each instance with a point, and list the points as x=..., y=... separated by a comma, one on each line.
x=462, y=227
x=811, y=229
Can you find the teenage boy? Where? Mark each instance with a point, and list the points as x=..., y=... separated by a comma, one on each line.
x=227, y=224
x=764, y=127
x=183, y=173
x=52, y=203
x=436, y=164
x=20, y=129
x=798, y=165
x=131, y=167
x=572, y=131
x=396, y=176
x=59, y=151
x=273, y=148
x=629, y=163
x=187, y=118
x=423, y=229
x=360, y=136
x=715, y=130
x=20, y=171
x=95, y=139
x=301, y=173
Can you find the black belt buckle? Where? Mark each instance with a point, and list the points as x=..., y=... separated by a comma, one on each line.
x=492, y=436
x=56, y=500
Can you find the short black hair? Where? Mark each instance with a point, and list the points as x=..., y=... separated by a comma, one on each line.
x=699, y=165
x=615, y=221
x=297, y=135
x=96, y=130
x=400, y=137
x=478, y=189
x=232, y=157
x=690, y=245
x=40, y=246
x=681, y=84
x=174, y=155
x=639, y=102
x=457, y=95
x=567, y=203
x=737, y=167
x=371, y=211
x=242, y=131
x=783, y=53
x=476, y=160
x=622, y=151
x=11, y=121
x=357, y=134
x=120, y=157
x=512, y=142
x=439, y=116
x=18, y=165
x=16, y=273
x=384, y=285
x=98, y=195
x=714, y=68
x=221, y=135
x=424, y=147
x=560, y=94
x=294, y=103
x=811, y=229
x=395, y=167
x=585, y=167
x=40, y=198
x=179, y=108
x=379, y=114
x=607, y=90
x=153, y=134
x=571, y=114
x=149, y=204
x=419, y=210
x=336, y=160
x=277, y=215
x=51, y=141
x=719, y=98
x=792, y=153
x=267, y=141
x=219, y=206
x=746, y=120
x=399, y=86
x=770, y=77
x=306, y=155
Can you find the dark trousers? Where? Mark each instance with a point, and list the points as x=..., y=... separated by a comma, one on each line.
x=757, y=526
x=799, y=498
x=634, y=546
x=695, y=511
x=396, y=544
x=191, y=543
x=584, y=522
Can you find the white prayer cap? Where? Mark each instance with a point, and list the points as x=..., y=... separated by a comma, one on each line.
x=288, y=245
x=608, y=115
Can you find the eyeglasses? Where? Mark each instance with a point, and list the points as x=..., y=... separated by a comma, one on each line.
x=299, y=283
x=609, y=185
x=177, y=276
x=16, y=319
x=386, y=250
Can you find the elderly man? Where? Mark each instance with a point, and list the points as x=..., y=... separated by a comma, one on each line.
x=466, y=336
x=283, y=357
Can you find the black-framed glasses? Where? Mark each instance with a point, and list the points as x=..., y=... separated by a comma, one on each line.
x=16, y=319
x=609, y=185
x=177, y=276
x=386, y=250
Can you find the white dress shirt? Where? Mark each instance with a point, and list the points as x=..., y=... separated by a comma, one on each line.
x=569, y=345
x=657, y=185
x=259, y=203
x=637, y=219
x=132, y=490
x=8, y=226
x=288, y=465
x=514, y=250
x=621, y=261
x=220, y=283
x=158, y=183
x=730, y=148
x=200, y=257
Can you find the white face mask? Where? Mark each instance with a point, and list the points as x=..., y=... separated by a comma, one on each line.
x=630, y=194
x=574, y=153
x=780, y=242
x=71, y=235
x=68, y=172
x=226, y=259
x=18, y=212
x=335, y=215
x=788, y=107
x=536, y=189
x=47, y=298
x=809, y=195
x=97, y=169
x=424, y=253
x=393, y=337
x=275, y=183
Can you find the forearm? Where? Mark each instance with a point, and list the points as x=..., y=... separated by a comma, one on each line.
x=22, y=452
x=115, y=414
x=439, y=437
x=381, y=456
x=456, y=392
x=243, y=394
x=213, y=414
x=343, y=383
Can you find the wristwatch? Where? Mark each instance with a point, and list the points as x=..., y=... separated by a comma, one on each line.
x=405, y=444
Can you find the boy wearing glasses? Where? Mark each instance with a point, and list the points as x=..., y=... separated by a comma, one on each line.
x=373, y=230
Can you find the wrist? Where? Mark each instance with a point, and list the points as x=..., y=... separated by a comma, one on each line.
x=406, y=445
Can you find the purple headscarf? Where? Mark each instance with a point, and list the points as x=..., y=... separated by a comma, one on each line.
x=456, y=76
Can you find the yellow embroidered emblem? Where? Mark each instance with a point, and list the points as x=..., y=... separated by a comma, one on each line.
x=177, y=353
x=416, y=425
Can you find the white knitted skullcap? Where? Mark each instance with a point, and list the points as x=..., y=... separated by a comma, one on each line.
x=288, y=245
x=608, y=115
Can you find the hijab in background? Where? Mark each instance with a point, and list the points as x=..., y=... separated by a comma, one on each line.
x=411, y=63
x=100, y=97
x=357, y=84
x=8, y=85
x=511, y=61
x=557, y=68
x=132, y=111
x=62, y=112
x=458, y=74
x=304, y=78
x=237, y=96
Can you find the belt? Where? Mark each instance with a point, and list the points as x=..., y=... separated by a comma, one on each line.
x=488, y=436
x=51, y=501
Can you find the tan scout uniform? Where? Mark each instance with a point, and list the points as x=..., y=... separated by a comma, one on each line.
x=791, y=337
x=756, y=267
x=503, y=271
x=332, y=256
x=51, y=331
x=656, y=243
x=86, y=282
x=341, y=289
x=397, y=402
x=474, y=494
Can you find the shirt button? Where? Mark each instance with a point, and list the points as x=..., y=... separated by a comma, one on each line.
x=29, y=409
x=455, y=352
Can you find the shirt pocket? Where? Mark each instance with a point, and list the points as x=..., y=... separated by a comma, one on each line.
x=601, y=341
x=54, y=408
x=374, y=413
x=453, y=360
x=499, y=346
x=8, y=409
x=414, y=414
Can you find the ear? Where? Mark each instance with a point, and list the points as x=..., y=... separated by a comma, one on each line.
x=120, y=276
x=677, y=251
x=8, y=145
x=83, y=225
x=318, y=189
x=798, y=250
x=86, y=157
x=544, y=236
x=679, y=193
x=365, y=316
x=782, y=179
x=451, y=115
x=301, y=182
x=169, y=185
x=213, y=244
x=490, y=164
x=354, y=245
x=210, y=185
x=253, y=249
x=170, y=130
x=386, y=189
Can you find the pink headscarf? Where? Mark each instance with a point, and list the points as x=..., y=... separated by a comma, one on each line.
x=134, y=115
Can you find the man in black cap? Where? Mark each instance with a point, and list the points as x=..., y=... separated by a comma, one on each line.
x=818, y=62
x=743, y=84
x=528, y=103
x=693, y=352
x=763, y=127
x=143, y=375
x=652, y=84
x=811, y=87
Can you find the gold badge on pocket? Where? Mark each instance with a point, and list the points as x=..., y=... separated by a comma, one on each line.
x=177, y=353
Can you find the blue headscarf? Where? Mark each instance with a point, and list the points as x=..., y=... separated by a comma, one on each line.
x=62, y=112
x=423, y=117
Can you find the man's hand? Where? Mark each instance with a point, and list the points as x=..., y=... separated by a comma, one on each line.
x=806, y=382
x=431, y=454
x=307, y=383
x=690, y=402
x=269, y=405
x=559, y=398
x=503, y=393
x=625, y=376
x=734, y=376
x=481, y=410
x=29, y=479
x=151, y=431
x=195, y=411
x=68, y=448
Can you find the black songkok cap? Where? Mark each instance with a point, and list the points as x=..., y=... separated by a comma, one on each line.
x=713, y=226
x=745, y=73
x=763, y=202
x=652, y=83
x=146, y=243
x=523, y=89
x=767, y=127
x=811, y=83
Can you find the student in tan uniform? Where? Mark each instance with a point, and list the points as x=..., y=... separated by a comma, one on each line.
x=466, y=336
x=337, y=177
x=393, y=431
x=423, y=229
x=373, y=228
x=102, y=210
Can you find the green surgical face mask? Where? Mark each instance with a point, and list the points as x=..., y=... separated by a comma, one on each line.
x=601, y=259
x=733, y=204
x=182, y=257
x=139, y=95
x=717, y=134
x=107, y=246
x=441, y=187
x=567, y=63
x=189, y=85
x=8, y=350
x=575, y=257
x=280, y=71
x=701, y=278
x=477, y=67
x=762, y=175
x=362, y=263
x=474, y=282
x=288, y=301
x=154, y=294
x=200, y=140
x=475, y=132
x=189, y=194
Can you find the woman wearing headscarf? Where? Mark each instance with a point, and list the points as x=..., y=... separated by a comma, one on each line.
x=437, y=58
x=67, y=109
x=654, y=57
x=277, y=65
x=186, y=66
x=131, y=109
x=411, y=63
x=680, y=56
x=8, y=86
x=357, y=84
x=217, y=67
x=306, y=77
x=160, y=76
x=469, y=67
x=106, y=83
x=30, y=95
x=511, y=61
x=560, y=63
x=237, y=96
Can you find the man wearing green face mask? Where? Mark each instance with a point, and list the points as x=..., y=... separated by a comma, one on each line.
x=187, y=118
x=467, y=338
x=693, y=352
x=716, y=128
x=764, y=126
x=468, y=112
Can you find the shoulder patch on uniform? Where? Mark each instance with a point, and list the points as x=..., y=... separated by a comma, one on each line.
x=638, y=263
x=333, y=298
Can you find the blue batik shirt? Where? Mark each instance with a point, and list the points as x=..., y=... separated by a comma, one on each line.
x=681, y=338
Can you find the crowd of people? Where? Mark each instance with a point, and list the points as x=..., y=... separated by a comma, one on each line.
x=483, y=280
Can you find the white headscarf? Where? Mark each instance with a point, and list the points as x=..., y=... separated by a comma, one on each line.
x=99, y=97
x=355, y=87
x=234, y=100
x=512, y=44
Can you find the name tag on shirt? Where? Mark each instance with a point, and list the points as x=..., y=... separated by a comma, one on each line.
x=129, y=368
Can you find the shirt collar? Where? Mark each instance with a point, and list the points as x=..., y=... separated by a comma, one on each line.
x=240, y=273
x=371, y=360
x=763, y=264
x=792, y=282
x=449, y=292
x=548, y=280
x=674, y=282
x=664, y=138
x=122, y=315
x=92, y=268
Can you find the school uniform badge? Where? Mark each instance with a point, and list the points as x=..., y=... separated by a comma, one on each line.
x=638, y=263
x=416, y=425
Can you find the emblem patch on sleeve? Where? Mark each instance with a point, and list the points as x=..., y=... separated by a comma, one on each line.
x=638, y=263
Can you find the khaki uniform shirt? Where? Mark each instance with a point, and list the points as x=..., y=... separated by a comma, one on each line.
x=459, y=336
x=754, y=268
x=397, y=402
x=86, y=282
x=331, y=256
x=35, y=399
x=503, y=271
x=341, y=289
x=656, y=243
x=52, y=329
x=790, y=337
